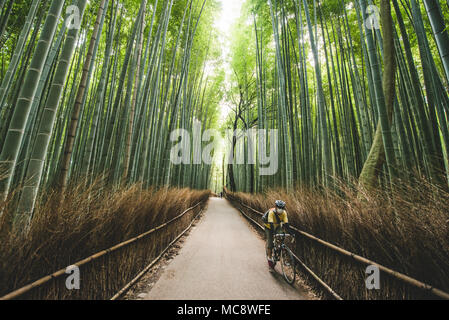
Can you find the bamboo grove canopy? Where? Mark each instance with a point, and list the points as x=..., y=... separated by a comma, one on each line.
x=93, y=88
x=358, y=91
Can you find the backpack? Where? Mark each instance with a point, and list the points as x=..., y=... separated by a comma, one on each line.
x=265, y=216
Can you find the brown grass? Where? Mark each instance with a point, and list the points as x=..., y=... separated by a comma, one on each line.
x=412, y=239
x=86, y=222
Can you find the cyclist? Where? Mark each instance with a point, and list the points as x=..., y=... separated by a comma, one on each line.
x=276, y=221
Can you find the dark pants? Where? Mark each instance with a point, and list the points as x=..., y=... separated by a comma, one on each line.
x=269, y=236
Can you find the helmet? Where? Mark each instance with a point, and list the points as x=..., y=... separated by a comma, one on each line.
x=280, y=204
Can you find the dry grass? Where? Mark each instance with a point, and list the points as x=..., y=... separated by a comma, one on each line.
x=86, y=222
x=412, y=239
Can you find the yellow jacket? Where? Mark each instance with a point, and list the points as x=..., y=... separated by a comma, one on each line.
x=272, y=219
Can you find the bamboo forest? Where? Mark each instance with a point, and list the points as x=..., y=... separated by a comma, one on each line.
x=125, y=122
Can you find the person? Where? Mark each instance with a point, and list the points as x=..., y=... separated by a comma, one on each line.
x=277, y=220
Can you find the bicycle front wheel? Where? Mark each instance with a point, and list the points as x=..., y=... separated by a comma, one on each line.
x=288, y=265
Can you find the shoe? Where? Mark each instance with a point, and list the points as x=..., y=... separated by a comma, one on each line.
x=271, y=264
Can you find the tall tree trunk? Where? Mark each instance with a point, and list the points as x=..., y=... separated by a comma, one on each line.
x=440, y=31
x=39, y=153
x=14, y=137
x=326, y=151
x=127, y=156
x=382, y=148
x=65, y=164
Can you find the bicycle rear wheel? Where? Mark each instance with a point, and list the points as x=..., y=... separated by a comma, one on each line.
x=288, y=265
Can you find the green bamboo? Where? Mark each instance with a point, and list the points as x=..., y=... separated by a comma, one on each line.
x=10, y=150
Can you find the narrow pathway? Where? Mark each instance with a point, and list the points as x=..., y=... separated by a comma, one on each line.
x=222, y=259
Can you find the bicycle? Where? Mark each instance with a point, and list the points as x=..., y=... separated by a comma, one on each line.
x=282, y=253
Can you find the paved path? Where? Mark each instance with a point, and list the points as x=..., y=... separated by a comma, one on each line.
x=222, y=259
